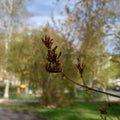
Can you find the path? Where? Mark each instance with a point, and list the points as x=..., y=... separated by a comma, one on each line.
x=114, y=99
x=8, y=114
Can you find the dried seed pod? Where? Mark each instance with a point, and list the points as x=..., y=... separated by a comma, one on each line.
x=54, y=65
x=51, y=56
x=48, y=67
x=80, y=66
x=103, y=111
x=47, y=41
x=53, y=68
x=59, y=55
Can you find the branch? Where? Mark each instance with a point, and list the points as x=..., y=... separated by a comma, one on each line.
x=89, y=88
x=116, y=61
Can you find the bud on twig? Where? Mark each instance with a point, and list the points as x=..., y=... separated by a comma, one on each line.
x=47, y=42
x=54, y=65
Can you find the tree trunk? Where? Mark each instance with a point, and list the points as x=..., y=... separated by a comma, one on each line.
x=6, y=91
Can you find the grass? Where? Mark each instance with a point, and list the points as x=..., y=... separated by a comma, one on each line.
x=76, y=111
x=22, y=96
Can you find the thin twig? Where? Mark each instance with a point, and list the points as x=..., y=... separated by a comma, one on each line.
x=89, y=88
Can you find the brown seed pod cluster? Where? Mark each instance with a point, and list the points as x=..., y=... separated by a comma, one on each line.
x=103, y=110
x=54, y=65
x=80, y=66
x=47, y=42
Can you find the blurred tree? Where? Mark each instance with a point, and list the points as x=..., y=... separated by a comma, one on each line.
x=52, y=84
x=19, y=55
x=114, y=70
x=12, y=14
x=117, y=45
x=85, y=25
x=2, y=55
x=27, y=58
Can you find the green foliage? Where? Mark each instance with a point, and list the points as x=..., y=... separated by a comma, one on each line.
x=114, y=70
x=18, y=57
x=2, y=52
x=53, y=85
x=84, y=25
x=1, y=91
x=27, y=58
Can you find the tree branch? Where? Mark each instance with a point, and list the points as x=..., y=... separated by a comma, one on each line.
x=116, y=61
x=89, y=88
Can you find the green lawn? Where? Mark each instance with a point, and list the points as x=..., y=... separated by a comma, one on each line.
x=22, y=96
x=76, y=111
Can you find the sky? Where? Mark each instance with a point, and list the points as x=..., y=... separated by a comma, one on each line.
x=41, y=11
